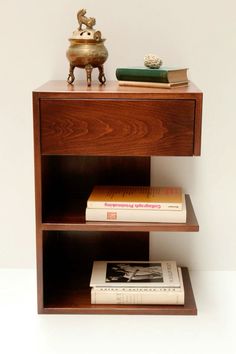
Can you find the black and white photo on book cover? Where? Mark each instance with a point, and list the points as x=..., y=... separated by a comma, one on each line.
x=135, y=273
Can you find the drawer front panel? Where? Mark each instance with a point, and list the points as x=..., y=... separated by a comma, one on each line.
x=117, y=127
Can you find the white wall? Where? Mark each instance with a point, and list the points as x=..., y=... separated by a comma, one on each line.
x=198, y=34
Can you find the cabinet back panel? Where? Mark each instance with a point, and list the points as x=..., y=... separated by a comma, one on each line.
x=68, y=258
x=67, y=181
x=117, y=127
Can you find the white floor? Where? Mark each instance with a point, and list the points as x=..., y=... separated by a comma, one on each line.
x=212, y=331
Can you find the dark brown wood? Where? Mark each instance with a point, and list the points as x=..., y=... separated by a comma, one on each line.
x=61, y=90
x=68, y=181
x=198, y=125
x=102, y=135
x=68, y=258
x=117, y=127
x=38, y=201
x=58, y=89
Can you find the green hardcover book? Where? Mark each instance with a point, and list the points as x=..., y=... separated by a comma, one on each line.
x=144, y=74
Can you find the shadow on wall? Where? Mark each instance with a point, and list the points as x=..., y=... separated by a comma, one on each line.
x=174, y=171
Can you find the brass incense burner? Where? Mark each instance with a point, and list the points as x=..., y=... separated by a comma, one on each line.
x=86, y=50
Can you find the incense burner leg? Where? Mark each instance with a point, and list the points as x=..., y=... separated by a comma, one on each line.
x=101, y=76
x=71, y=76
x=89, y=69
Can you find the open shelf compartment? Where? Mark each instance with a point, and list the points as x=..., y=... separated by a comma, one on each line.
x=68, y=259
x=68, y=181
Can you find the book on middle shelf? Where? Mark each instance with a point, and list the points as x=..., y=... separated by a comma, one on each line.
x=136, y=282
x=129, y=214
x=136, y=197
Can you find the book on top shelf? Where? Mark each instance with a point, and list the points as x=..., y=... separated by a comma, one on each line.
x=136, y=198
x=162, y=85
x=131, y=274
x=139, y=295
x=134, y=215
x=162, y=75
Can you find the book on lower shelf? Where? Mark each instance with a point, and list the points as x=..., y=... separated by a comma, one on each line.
x=137, y=282
x=144, y=74
x=132, y=215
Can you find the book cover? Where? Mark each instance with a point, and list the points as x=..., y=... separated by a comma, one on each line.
x=139, y=295
x=163, y=74
x=129, y=215
x=134, y=274
x=136, y=197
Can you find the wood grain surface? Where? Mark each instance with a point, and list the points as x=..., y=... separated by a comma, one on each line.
x=117, y=127
x=102, y=135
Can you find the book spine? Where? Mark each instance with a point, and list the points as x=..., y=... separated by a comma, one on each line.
x=134, y=206
x=137, y=296
x=153, y=84
x=133, y=74
x=135, y=215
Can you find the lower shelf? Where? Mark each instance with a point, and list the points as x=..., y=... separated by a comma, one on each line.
x=77, y=301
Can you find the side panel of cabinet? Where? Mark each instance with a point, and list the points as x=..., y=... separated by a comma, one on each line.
x=117, y=127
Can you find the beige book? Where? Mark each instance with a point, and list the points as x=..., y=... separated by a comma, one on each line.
x=164, y=85
x=138, y=295
x=128, y=215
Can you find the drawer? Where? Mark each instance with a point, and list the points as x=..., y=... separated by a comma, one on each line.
x=118, y=127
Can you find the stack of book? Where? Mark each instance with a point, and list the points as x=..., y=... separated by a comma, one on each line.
x=136, y=204
x=164, y=77
x=137, y=282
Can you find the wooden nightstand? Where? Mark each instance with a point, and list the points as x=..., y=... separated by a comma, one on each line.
x=102, y=135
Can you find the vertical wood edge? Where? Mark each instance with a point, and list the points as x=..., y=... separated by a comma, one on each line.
x=198, y=125
x=38, y=199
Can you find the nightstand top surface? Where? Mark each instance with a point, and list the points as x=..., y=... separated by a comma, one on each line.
x=112, y=89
